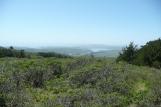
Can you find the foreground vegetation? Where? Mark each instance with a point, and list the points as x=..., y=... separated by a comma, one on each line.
x=77, y=82
x=56, y=80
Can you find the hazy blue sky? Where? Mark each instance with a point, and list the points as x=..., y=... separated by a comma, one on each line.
x=65, y=22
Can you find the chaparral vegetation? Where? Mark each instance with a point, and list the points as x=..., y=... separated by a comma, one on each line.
x=56, y=80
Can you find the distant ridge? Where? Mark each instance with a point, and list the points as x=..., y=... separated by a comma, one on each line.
x=96, y=50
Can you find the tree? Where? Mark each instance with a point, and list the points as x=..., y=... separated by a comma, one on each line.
x=128, y=53
x=11, y=52
x=11, y=47
x=22, y=53
x=150, y=54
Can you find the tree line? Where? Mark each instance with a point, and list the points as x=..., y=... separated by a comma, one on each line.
x=148, y=54
x=52, y=54
x=11, y=52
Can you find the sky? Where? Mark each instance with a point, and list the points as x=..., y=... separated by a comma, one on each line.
x=36, y=23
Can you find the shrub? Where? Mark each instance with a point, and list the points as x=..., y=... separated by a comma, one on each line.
x=35, y=76
x=2, y=102
x=52, y=54
x=56, y=70
x=128, y=54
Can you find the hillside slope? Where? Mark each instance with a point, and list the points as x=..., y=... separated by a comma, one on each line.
x=77, y=82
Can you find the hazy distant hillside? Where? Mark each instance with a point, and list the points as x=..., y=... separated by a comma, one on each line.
x=96, y=50
x=107, y=53
x=63, y=50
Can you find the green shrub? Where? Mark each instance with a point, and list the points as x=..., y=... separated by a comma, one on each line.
x=148, y=55
x=2, y=102
x=36, y=76
x=128, y=54
x=52, y=54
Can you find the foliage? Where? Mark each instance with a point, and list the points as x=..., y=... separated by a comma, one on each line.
x=2, y=102
x=11, y=52
x=128, y=54
x=148, y=55
x=52, y=54
x=77, y=82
